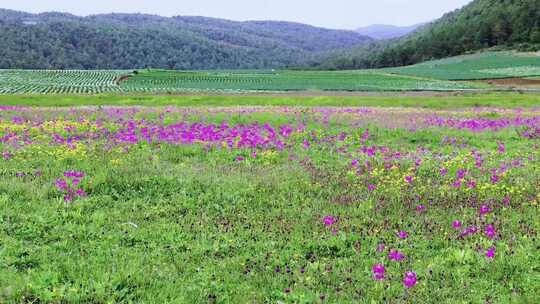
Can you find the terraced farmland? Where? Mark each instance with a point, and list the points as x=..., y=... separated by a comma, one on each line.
x=488, y=65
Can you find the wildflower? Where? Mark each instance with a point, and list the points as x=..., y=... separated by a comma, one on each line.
x=494, y=178
x=61, y=184
x=468, y=230
x=443, y=171
x=402, y=234
x=328, y=220
x=506, y=200
x=490, y=252
x=408, y=179
x=354, y=162
x=484, y=209
x=471, y=183
x=365, y=135
x=395, y=255
x=378, y=271
x=409, y=279
x=371, y=187
x=420, y=207
x=460, y=174
x=500, y=147
x=239, y=158
x=456, y=224
x=6, y=155
x=380, y=247
x=489, y=231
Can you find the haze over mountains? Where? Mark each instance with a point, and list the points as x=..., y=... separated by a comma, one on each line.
x=385, y=31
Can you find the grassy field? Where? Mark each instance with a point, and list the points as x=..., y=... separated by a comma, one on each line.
x=435, y=101
x=478, y=66
x=268, y=204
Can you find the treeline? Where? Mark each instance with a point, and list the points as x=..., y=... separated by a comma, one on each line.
x=129, y=41
x=481, y=24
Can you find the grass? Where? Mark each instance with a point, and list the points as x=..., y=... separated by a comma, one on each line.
x=434, y=101
x=477, y=66
x=166, y=221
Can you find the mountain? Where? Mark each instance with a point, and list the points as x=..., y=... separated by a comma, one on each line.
x=482, y=24
x=384, y=31
x=128, y=41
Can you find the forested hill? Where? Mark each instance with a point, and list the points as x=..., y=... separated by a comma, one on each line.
x=479, y=25
x=127, y=41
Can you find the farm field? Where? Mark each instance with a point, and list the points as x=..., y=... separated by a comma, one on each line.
x=278, y=203
x=163, y=81
x=486, y=65
x=439, y=75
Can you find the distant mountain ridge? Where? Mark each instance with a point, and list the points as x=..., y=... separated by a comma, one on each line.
x=385, y=31
x=126, y=41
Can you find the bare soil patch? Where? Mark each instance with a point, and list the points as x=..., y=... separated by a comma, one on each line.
x=513, y=82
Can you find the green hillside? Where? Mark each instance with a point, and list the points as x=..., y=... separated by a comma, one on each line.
x=129, y=41
x=482, y=24
x=487, y=65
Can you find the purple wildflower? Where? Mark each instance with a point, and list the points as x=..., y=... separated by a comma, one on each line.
x=402, y=234
x=409, y=279
x=395, y=255
x=328, y=220
x=489, y=231
x=378, y=271
x=456, y=224
x=490, y=252
x=484, y=209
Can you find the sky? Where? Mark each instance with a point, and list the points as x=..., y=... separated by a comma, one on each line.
x=339, y=14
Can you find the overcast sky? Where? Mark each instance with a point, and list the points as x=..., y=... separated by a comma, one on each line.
x=345, y=14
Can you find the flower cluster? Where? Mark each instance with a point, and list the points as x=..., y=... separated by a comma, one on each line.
x=70, y=185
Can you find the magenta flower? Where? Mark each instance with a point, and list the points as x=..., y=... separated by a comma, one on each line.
x=378, y=271
x=489, y=231
x=354, y=162
x=239, y=158
x=506, y=200
x=402, y=234
x=420, y=207
x=456, y=224
x=6, y=155
x=460, y=174
x=490, y=252
x=500, y=147
x=409, y=279
x=61, y=184
x=471, y=183
x=395, y=255
x=380, y=247
x=443, y=171
x=328, y=220
x=484, y=209
x=494, y=178
x=371, y=187
x=468, y=230
x=408, y=179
